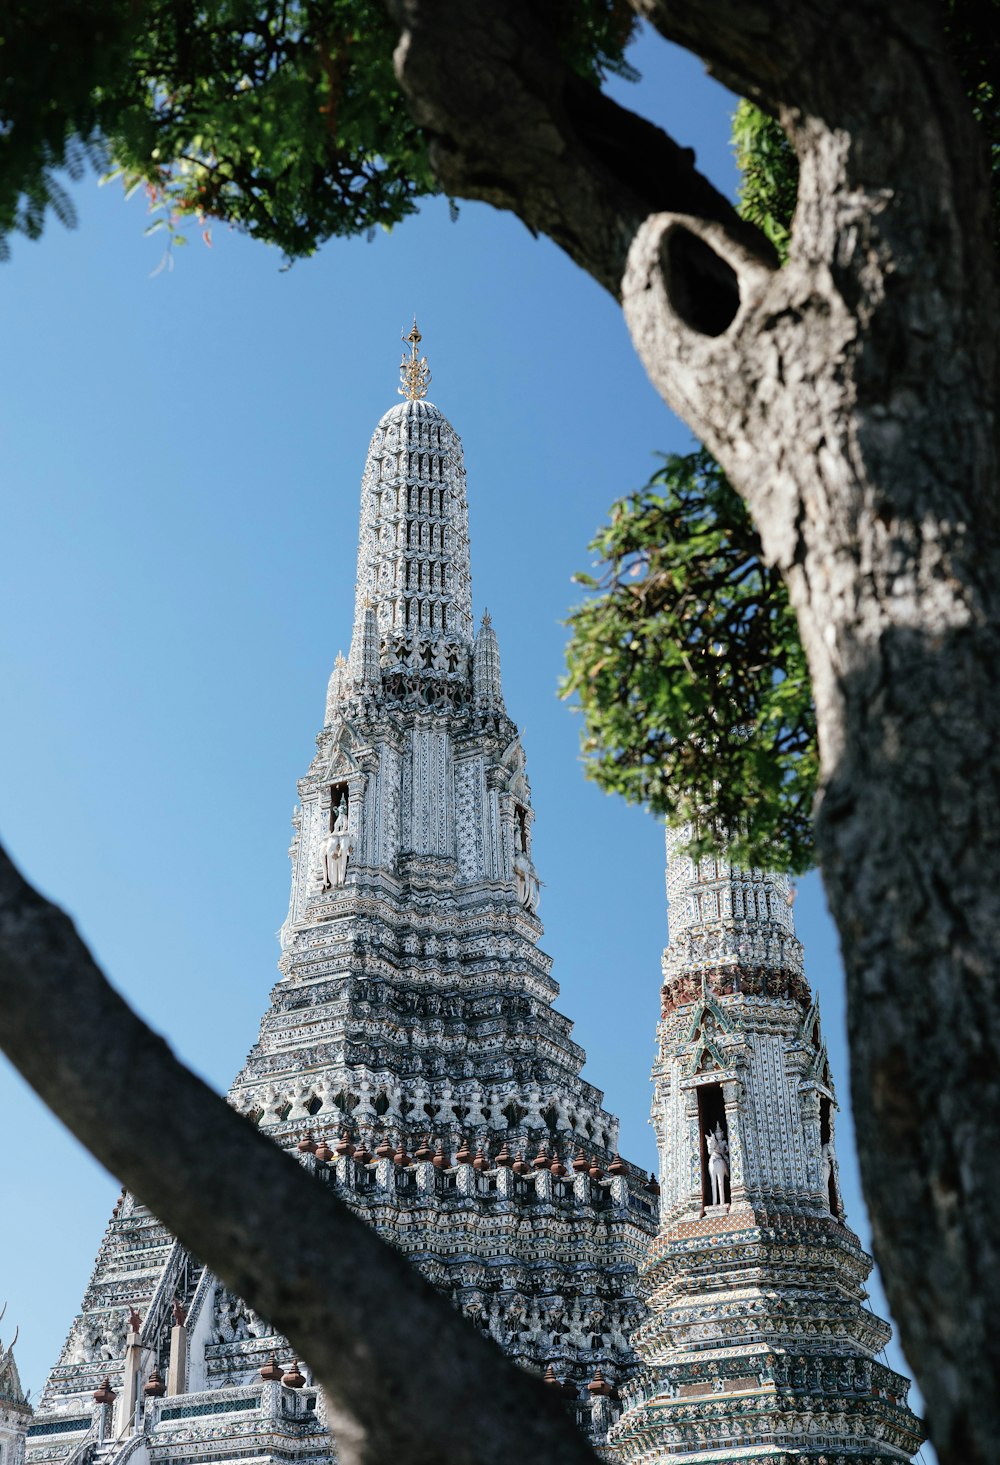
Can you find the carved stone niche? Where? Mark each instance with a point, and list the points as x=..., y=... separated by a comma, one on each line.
x=712, y=1108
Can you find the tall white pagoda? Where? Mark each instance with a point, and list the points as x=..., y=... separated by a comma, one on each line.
x=759, y=1346
x=410, y=1055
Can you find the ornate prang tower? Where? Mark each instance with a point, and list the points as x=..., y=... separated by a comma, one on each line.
x=15, y=1411
x=410, y=1056
x=758, y=1343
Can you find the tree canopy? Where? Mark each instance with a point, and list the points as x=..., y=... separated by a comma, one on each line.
x=690, y=672
x=283, y=118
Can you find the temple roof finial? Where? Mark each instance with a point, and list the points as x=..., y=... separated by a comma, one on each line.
x=414, y=374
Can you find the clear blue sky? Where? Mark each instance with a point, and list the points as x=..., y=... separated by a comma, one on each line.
x=181, y=458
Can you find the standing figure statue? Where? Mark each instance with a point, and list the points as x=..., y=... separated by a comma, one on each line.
x=335, y=850
x=826, y=1163
x=718, y=1164
x=340, y=818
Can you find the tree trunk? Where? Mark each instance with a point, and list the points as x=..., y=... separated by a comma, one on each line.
x=850, y=397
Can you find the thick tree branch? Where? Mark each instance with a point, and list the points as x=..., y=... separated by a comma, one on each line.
x=512, y=125
x=395, y=1360
x=753, y=46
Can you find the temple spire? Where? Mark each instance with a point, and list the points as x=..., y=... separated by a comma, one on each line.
x=414, y=373
x=486, y=687
x=368, y=668
x=15, y=1411
x=336, y=690
x=413, y=548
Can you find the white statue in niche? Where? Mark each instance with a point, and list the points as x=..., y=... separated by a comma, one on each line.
x=334, y=853
x=826, y=1168
x=528, y=887
x=718, y=1164
x=335, y=850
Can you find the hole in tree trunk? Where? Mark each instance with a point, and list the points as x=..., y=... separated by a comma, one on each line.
x=704, y=290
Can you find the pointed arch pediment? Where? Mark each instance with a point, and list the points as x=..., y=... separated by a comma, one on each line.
x=707, y=1059
x=341, y=760
x=708, y=1017
x=811, y=1030
x=819, y=1068
x=709, y=1023
x=11, y=1391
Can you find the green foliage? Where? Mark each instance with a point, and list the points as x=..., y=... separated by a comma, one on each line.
x=280, y=117
x=972, y=29
x=593, y=35
x=51, y=56
x=690, y=673
x=769, y=171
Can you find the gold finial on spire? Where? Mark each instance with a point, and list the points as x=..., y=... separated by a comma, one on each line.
x=414, y=374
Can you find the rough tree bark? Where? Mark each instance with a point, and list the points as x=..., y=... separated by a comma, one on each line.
x=850, y=397
x=407, y=1380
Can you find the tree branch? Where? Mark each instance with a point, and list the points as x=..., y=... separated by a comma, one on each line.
x=512, y=125
x=779, y=52
x=394, y=1359
x=752, y=46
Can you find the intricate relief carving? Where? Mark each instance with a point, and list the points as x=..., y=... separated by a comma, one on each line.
x=234, y=1322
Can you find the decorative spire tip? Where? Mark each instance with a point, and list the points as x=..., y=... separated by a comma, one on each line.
x=414, y=373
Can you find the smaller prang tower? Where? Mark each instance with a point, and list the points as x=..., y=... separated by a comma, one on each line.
x=758, y=1344
x=15, y=1411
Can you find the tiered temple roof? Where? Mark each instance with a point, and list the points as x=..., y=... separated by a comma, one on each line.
x=410, y=1055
